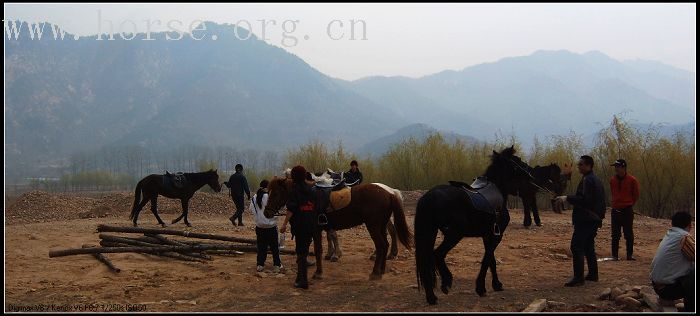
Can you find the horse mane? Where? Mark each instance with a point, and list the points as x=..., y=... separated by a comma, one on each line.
x=201, y=175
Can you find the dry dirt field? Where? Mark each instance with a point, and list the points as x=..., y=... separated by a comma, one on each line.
x=528, y=265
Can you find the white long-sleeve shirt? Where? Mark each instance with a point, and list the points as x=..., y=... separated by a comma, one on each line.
x=258, y=213
x=669, y=263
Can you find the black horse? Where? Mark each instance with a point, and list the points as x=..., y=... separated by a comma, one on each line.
x=153, y=185
x=548, y=178
x=448, y=208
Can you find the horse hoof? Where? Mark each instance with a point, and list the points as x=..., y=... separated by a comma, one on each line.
x=432, y=300
x=498, y=287
x=136, y=225
x=391, y=257
x=374, y=277
x=445, y=289
x=334, y=259
x=317, y=276
x=327, y=258
x=481, y=292
x=188, y=224
x=163, y=225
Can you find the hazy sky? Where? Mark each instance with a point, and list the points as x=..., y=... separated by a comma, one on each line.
x=416, y=39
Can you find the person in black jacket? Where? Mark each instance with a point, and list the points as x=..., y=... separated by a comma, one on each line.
x=587, y=216
x=353, y=174
x=238, y=185
x=301, y=214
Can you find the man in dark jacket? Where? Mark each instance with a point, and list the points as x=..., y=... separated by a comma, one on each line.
x=587, y=217
x=353, y=174
x=238, y=185
x=301, y=214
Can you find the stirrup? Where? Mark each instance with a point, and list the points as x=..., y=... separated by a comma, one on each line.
x=496, y=230
x=322, y=219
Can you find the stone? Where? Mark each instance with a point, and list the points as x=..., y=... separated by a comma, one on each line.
x=536, y=306
x=621, y=298
x=631, y=304
x=605, y=294
x=615, y=292
x=633, y=294
x=637, y=288
x=652, y=301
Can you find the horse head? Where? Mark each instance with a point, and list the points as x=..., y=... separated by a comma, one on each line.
x=213, y=180
x=278, y=192
x=506, y=168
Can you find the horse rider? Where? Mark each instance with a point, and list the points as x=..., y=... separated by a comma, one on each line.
x=353, y=174
x=238, y=184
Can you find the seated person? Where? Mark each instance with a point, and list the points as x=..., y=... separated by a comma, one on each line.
x=672, y=270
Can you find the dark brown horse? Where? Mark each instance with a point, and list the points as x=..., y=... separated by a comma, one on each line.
x=370, y=204
x=156, y=184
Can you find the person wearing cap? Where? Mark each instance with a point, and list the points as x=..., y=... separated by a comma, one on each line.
x=673, y=267
x=624, y=189
x=238, y=184
x=587, y=216
x=301, y=215
x=354, y=174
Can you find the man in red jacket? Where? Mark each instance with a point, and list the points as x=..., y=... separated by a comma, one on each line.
x=625, y=193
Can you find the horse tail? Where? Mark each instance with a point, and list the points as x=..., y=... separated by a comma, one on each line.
x=425, y=230
x=402, y=231
x=137, y=199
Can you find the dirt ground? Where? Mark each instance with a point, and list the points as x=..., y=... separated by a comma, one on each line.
x=528, y=267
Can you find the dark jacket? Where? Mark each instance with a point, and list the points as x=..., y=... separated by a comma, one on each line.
x=351, y=177
x=238, y=185
x=302, y=203
x=589, y=200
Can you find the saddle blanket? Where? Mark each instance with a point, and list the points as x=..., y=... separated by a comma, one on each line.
x=341, y=198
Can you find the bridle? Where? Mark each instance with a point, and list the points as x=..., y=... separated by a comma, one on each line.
x=531, y=178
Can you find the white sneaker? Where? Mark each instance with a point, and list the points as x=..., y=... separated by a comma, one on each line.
x=260, y=268
x=277, y=269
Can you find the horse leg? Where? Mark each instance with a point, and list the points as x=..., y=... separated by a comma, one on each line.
x=450, y=241
x=536, y=212
x=318, y=251
x=336, y=246
x=393, y=253
x=485, y=263
x=186, y=209
x=527, y=220
x=138, y=209
x=154, y=210
x=386, y=246
x=495, y=283
x=329, y=239
x=381, y=245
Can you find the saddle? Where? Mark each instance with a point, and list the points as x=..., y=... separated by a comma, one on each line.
x=332, y=198
x=177, y=180
x=484, y=196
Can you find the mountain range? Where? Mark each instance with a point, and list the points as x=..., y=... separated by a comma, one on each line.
x=62, y=96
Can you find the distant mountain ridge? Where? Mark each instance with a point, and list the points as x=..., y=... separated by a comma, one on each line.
x=417, y=131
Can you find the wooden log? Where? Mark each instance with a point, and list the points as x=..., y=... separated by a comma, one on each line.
x=173, y=255
x=101, y=258
x=162, y=240
x=153, y=231
x=153, y=249
x=224, y=252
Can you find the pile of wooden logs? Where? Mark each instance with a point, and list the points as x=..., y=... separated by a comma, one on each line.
x=195, y=247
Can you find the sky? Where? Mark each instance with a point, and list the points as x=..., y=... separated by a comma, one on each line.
x=409, y=39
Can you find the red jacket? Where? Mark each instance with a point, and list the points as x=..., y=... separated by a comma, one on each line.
x=625, y=192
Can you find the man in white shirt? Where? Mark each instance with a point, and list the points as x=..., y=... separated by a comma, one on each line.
x=673, y=267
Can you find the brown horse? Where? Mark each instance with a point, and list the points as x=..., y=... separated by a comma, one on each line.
x=370, y=204
x=153, y=185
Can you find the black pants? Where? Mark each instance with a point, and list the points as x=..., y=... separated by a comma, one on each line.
x=622, y=219
x=583, y=245
x=240, y=207
x=267, y=238
x=683, y=288
x=303, y=242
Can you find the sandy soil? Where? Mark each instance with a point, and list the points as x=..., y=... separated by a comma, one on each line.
x=527, y=267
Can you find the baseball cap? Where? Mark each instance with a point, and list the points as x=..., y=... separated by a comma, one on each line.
x=620, y=163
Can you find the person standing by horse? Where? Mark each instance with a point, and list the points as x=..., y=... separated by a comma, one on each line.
x=265, y=230
x=301, y=214
x=587, y=216
x=624, y=189
x=353, y=174
x=238, y=184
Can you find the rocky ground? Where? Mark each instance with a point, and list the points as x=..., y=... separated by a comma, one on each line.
x=533, y=264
